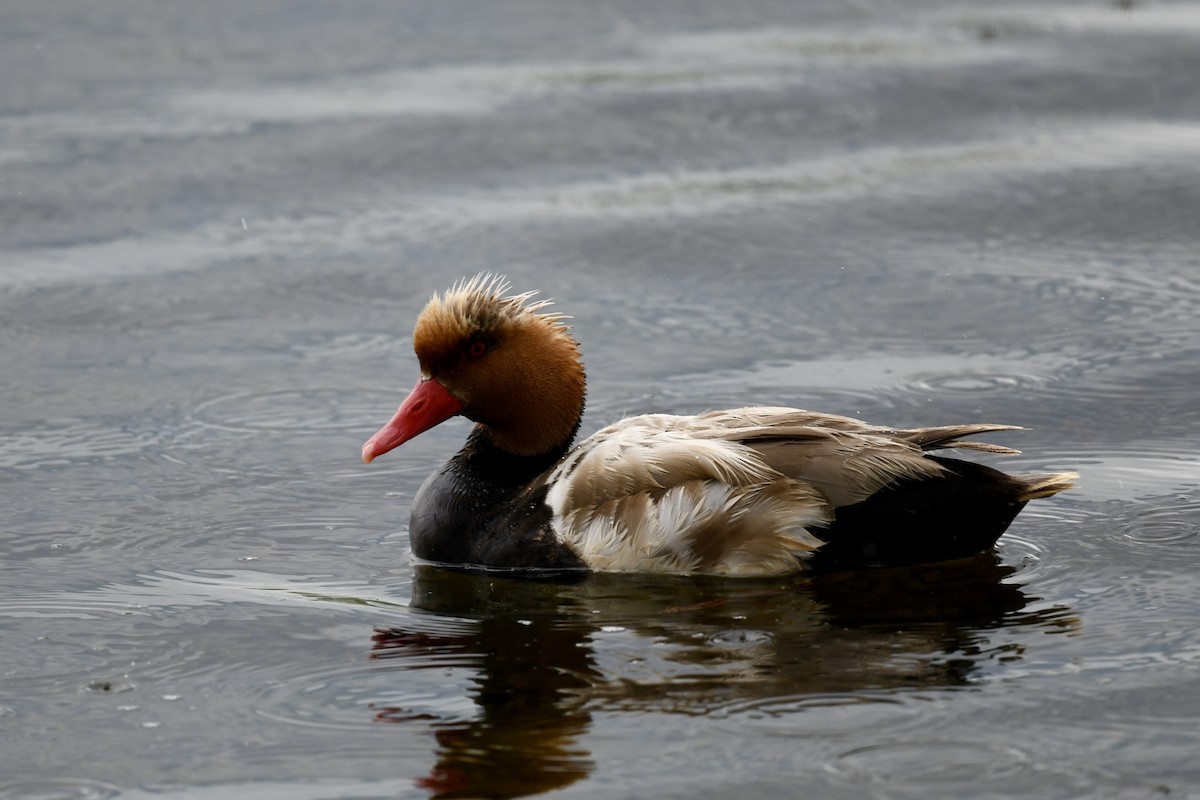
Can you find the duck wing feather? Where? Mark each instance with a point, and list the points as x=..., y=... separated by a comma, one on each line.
x=732, y=492
x=671, y=494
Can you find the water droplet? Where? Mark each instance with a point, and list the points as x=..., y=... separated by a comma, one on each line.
x=109, y=687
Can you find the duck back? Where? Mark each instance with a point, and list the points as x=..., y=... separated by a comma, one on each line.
x=957, y=514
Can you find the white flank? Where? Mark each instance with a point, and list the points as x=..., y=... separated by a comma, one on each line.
x=649, y=494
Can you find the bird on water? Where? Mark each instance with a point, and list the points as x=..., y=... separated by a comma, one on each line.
x=754, y=491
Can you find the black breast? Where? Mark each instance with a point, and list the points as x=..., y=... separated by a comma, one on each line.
x=478, y=510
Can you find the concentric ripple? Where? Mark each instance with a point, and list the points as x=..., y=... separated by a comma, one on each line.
x=268, y=439
x=970, y=382
x=954, y=767
x=357, y=346
x=826, y=715
x=1023, y=553
x=295, y=411
x=943, y=763
x=1175, y=523
x=73, y=441
x=405, y=678
x=1142, y=471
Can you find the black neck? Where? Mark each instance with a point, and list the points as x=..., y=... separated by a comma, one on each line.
x=497, y=466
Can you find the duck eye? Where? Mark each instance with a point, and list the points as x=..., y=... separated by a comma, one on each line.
x=477, y=348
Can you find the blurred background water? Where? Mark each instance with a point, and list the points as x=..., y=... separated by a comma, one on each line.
x=218, y=221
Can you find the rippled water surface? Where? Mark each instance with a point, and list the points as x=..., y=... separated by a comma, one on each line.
x=218, y=220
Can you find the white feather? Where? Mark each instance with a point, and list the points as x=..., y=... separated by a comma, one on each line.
x=648, y=494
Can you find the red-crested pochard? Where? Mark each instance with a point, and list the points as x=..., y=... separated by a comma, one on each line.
x=748, y=492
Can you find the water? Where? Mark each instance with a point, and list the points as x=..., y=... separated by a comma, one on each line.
x=218, y=221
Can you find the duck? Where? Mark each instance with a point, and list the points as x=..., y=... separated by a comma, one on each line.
x=759, y=491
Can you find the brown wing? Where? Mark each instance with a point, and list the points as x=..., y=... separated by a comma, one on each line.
x=847, y=459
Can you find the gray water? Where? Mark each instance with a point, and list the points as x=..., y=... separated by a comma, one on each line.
x=218, y=221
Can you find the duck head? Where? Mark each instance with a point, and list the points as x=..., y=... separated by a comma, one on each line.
x=498, y=359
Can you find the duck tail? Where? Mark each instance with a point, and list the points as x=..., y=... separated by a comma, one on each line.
x=957, y=514
x=1037, y=486
x=951, y=436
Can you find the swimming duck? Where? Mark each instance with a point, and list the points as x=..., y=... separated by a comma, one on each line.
x=754, y=491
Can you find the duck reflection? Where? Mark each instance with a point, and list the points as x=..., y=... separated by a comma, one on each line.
x=548, y=655
x=531, y=680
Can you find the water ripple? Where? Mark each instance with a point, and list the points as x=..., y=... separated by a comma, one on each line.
x=891, y=379
x=166, y=590
x=913, y=763
x=1172, y=19
x=294, y=411
x=59, y=789
x=73, y=441
x=1145, y=469
x=829, y=716
x=1023, y=553
x=333, y=347
x=970, y=381
x=959, y=768
x=936, y=169
x=1173, y=524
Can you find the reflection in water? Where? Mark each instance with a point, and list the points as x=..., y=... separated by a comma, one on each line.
x=528, y=687
x=532, y=675
x=545, y=656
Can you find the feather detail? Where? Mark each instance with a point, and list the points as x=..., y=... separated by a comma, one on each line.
x=699, y=526
x=479, y=306
x=1038, y=486
x=984, y=447
x=651, y=494
x=735, y=492
x=648, y=453
x=951, y=436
